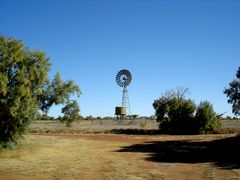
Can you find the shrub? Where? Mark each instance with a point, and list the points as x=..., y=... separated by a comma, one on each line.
x=206, y=118
x=176, y=114
x=71, y=112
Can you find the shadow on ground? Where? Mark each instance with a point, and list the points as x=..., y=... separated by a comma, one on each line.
x=136, y=131
x=224, y=153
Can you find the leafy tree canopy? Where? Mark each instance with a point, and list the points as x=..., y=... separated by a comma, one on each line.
x=24, y=87
x=56, y=92
x=71, y=112
x=206, y=118
x=233, y=94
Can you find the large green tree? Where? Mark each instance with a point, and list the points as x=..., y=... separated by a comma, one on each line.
x=24, y=87
x=233, y=93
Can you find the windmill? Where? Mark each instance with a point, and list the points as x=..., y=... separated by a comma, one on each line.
x=123, y=79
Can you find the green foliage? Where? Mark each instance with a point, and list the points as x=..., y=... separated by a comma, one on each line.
x=176, y=114
x=44, y=117
x=229, y=117
x=71, y=112
x=22, y=73
x=233, y=94
x=90, y=117
x=108, y=118
x=57, y=92
x=206, y=118
x=24, y=87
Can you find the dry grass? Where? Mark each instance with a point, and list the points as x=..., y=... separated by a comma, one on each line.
x=60, y=158
x=226, y=130
x=104, y=157
x=112, y=127
x=90, y=127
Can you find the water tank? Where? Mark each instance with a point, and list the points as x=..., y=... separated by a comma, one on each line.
x=120, y=111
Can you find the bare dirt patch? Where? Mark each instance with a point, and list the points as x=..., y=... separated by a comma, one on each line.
x=63, y=156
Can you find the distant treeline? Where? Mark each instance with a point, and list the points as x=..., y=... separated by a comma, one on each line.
x=90, y=117
x=230, y=118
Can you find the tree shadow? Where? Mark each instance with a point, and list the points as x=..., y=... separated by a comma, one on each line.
x=224, y=153
x=136, y=131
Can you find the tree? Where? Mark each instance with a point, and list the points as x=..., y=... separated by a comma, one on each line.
x=176, y=114
x=43, y=116
x=71, y=112
x=228, y=118
x=90, y=117
x=206, y=118
x=233, y=94
x=24, y=88
x=22, y=73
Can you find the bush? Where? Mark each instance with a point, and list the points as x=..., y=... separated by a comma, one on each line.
x=44, y=117
x=71, y=112
x=176, y=114
x=181, y=115
x=206, y=118
x=90, y=117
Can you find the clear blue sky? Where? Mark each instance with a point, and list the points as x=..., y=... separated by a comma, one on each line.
x=164, y=43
